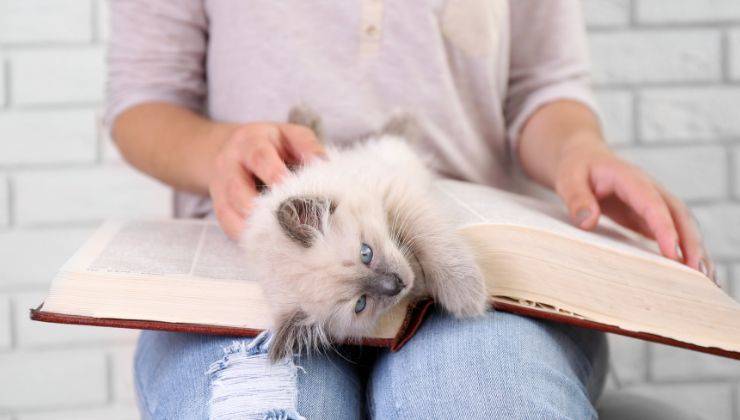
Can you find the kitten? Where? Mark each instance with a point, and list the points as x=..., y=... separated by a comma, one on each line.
x=343, y=239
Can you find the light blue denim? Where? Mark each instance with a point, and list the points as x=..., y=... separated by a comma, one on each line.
x=500, y=366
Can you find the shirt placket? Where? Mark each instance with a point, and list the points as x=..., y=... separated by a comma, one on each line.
x=371, y=26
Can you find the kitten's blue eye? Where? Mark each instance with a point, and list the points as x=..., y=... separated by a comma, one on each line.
x=366, y=254
x=360, y=305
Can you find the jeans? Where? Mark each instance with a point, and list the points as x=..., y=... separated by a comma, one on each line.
x=497, y=366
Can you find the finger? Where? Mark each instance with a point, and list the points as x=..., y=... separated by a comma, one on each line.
x=240, y=190
x=576, y=192
x=641, y=195
x=229, y=220
x=688, y=232
x=301, y=142
x=263, y=160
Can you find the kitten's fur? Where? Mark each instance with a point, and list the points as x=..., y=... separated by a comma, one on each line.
x=303, y=240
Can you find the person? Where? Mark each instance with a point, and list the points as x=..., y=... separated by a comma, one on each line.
x=197, y=98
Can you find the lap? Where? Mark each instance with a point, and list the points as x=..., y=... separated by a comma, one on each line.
x=172, y=380
x=497, y=366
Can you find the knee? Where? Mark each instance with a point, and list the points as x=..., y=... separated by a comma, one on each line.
x=499, y=365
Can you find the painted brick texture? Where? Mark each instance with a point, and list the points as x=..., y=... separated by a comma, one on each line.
x=667, y=81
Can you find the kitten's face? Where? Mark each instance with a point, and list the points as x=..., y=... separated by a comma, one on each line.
x=336, y=268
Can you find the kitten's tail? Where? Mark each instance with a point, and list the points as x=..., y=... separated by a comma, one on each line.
x=307, y=117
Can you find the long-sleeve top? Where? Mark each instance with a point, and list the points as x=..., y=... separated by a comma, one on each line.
x=473, y=71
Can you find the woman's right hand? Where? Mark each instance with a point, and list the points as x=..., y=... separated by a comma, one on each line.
x=258, y=150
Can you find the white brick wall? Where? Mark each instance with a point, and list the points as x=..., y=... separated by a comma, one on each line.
x=42, y=21
x=689, y=114
x=666, y=75
x=57, y=76
x=667, y=83
x=674, y=56
x=58, y=178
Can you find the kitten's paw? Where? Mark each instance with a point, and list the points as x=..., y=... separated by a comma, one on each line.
x=465, y=296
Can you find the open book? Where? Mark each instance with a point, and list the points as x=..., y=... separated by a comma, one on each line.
x=185, y=275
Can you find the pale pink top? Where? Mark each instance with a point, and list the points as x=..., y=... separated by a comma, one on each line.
x=473, y=70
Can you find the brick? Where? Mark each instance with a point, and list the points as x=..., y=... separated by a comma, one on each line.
x=123, y=375
x=5, y=327
x=4, y=202
x=702, y=400
x=33, y=334
x=33, y=257
x=675, y=364
x=691, y=172
x=52, y=379
x=616, y=112
x=35, y=21
x=35, y=137
x=655, y=56
x=687, y=11
x=720, y=225
x=629, y=359
x=600, y=13
x=57, y=76
x=734, y=54
x=689, y=114
x=87, y=195
x=124, y=412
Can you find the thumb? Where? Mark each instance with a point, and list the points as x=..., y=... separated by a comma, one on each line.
x=575, y=191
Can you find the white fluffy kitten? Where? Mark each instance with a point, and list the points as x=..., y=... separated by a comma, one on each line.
x=343, y=239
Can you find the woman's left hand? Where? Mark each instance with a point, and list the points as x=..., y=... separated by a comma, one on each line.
x=592, y=181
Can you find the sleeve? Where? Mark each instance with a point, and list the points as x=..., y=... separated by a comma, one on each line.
x=549, y=60
x=156, y=52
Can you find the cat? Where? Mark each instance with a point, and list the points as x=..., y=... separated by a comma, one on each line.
x=344, y=238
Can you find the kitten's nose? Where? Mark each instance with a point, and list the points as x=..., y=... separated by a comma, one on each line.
x=389, y=284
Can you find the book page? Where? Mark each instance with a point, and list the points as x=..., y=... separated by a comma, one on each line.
x=171, y=248
x=470, y=204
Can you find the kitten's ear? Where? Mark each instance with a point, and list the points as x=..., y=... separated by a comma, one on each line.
x=404, y=125
x=302, y=217
x=289, y=335
x=307, y=117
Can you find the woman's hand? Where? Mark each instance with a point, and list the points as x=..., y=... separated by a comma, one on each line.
x=592, y=181
x=561, y=146
x=263, y=151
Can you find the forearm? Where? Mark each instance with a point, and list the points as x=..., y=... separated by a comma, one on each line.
x=549, y=135
x=171, y=143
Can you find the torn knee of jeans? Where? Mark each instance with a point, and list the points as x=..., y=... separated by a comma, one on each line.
x=246, y=385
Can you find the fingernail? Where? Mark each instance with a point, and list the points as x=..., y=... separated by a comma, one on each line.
x=582, y=215
x=703, y=267
x=679, y=253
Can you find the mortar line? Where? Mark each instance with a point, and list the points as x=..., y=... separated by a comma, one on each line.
x=636, y=100
x=11, y=323
x=93, y=21
x=10, y=186
x=731, y=162
x=724, y=55
x=6, y=83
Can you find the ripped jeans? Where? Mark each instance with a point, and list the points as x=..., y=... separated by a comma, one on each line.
x=498, y=366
